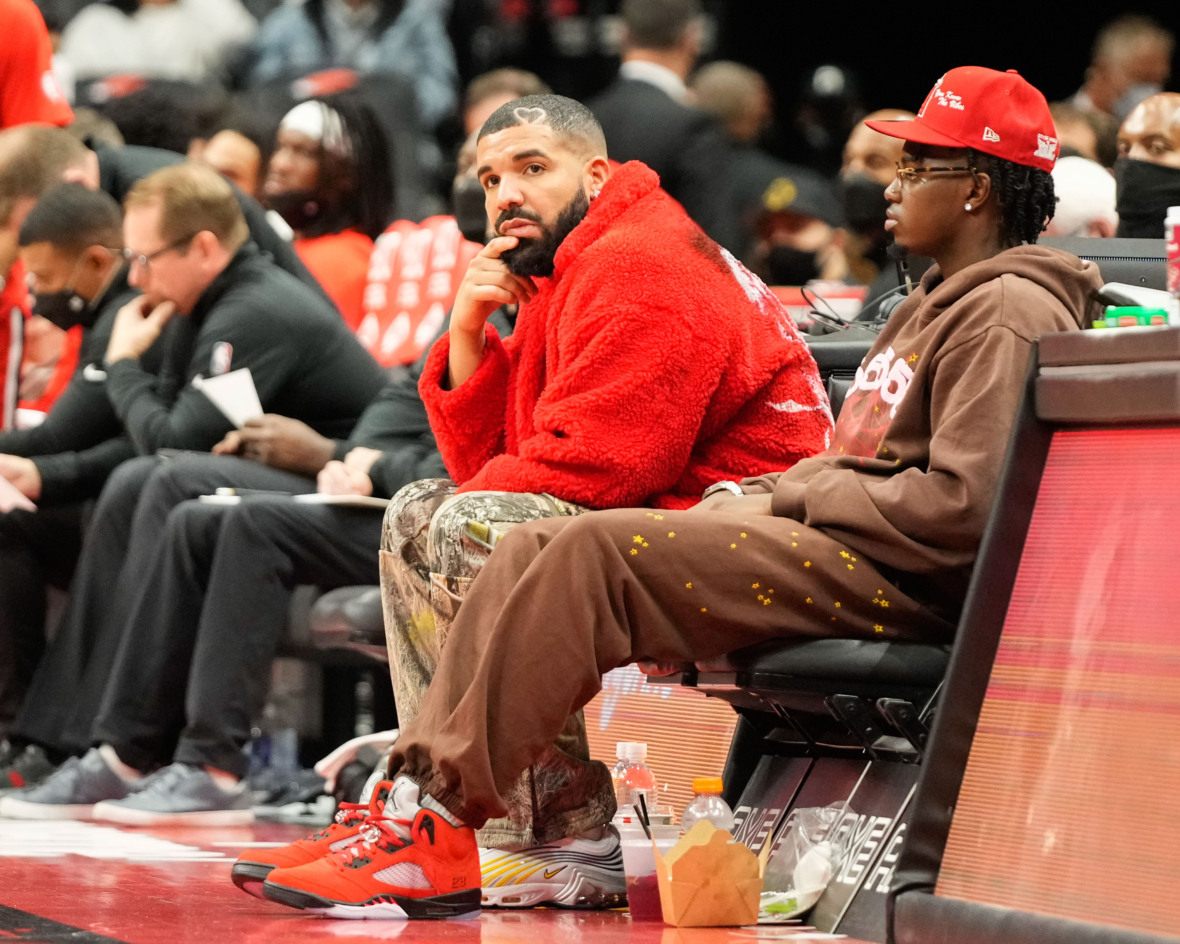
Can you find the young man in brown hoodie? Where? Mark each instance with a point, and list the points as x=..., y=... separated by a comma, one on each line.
x=876, y=537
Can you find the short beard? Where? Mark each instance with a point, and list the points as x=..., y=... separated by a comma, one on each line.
x=534, y=256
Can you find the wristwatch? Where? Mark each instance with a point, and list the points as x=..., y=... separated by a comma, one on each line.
x=732, y=487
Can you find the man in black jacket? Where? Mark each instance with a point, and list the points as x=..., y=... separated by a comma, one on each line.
x=221, y=306
x=646, y=115
x=71, y=245
x=193, y=663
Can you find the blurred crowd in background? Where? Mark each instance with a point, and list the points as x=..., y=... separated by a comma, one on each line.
x=213, y=78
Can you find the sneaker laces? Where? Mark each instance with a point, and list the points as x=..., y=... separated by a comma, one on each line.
x=165, y=779
x=374, y=830
x=346, y=815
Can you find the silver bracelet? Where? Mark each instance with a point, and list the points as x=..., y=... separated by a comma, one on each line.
x=732, y=487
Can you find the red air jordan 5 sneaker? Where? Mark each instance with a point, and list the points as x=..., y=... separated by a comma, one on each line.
x=254, y=865
x=400, y=867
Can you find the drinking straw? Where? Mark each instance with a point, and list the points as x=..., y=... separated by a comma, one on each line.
x=641, y=815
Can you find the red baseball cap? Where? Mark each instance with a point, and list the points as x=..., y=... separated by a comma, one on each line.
x=997, y=113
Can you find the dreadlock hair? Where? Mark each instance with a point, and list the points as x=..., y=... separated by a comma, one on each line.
x=389, y=10
x=1024, y=194
x=360, y=186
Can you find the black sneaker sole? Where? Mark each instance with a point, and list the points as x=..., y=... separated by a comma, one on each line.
x=453, y=905
x=244, y=873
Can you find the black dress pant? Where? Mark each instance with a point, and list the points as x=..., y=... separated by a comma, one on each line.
x=122, y=544
x=37, y=550
x=194, y=665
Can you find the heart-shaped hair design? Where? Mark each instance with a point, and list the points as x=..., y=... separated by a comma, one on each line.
x=531, y=116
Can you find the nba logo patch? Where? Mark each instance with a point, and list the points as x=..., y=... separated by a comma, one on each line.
x=223, y=354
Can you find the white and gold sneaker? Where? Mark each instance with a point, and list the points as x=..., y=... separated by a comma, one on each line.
x=570, y=873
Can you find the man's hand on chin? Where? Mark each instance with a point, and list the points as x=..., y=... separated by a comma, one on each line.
x=486, y=286
x=137, y=325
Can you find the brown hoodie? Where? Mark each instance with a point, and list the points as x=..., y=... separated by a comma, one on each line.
x=916, y=455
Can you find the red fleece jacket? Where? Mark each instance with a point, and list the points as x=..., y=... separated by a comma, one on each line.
x=649, y=366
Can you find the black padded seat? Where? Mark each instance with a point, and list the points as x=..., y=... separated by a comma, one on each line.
x=827, y=695
x=350, y=618
x=841, y=350
x=778, y=663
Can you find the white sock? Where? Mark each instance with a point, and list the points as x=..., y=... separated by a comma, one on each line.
x=124, y=772
x=427, y=802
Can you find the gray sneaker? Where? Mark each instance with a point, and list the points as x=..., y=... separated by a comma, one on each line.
x=70, y=792
x=181, y=795
x=25, y=767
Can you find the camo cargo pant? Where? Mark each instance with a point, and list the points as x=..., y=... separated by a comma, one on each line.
x=433, y=545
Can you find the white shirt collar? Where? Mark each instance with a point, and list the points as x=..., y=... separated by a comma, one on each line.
x=663, y=78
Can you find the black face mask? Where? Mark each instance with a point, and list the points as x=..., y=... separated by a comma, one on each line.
x=64, y=309
x=535, y=256
x=864, y=205
x=299, y=208
x=1145, y=191
x=791, y=266
x=467, y=197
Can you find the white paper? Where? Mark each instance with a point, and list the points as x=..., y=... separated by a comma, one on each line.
x=311, y=498
x=220, y=499
x=353, y=501
x=12, y=497
x=234, y=394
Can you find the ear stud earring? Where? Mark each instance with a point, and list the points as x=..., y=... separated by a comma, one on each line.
x=595, y=195
x=967, y=207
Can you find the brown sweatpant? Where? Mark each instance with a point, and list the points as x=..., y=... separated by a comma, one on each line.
x=564, y=600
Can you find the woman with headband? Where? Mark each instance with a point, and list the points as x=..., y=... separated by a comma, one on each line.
x=324, y=150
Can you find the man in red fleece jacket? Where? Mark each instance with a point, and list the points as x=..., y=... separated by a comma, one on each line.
x=646, y=365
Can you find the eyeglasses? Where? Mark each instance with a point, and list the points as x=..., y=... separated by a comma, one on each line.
x=145, y=262
x=910, y=173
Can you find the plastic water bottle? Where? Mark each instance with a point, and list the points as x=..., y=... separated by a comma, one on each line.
x=616, y=772
x=707, y=804
x=1172, y=246
x=635, y=777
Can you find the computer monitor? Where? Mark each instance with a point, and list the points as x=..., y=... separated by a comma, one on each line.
x=1142, y=262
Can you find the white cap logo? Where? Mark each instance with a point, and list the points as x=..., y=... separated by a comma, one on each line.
x=49, y=87
x=989, y=135
x=1046, y=147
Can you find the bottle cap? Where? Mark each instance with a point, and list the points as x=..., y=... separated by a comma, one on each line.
x=621, y=749
x=636, y=752
x=707, y=785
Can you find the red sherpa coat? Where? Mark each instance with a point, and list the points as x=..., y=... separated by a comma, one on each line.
x=649, y=366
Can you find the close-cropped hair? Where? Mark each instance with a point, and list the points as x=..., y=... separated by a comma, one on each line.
x=192, y=199
x=73, y=218
x=658, y=24
x=570, y=120
x=33, y=159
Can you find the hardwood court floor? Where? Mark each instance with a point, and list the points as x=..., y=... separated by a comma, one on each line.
x=84, y=883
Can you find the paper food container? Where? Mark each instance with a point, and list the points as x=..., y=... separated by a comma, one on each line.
x=709, y=881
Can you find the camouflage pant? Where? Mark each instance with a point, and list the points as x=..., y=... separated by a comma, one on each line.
x=433, y=545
